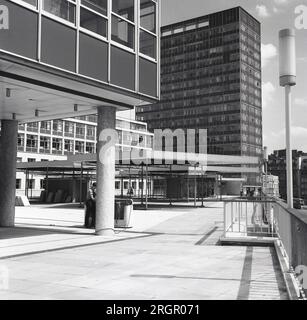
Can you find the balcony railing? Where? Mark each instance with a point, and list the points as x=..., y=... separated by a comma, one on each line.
x=269, y=220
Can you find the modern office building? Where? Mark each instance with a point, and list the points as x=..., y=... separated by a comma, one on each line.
x=277, y=166
x=67, y=58
x=58, y=139
x=211, y=79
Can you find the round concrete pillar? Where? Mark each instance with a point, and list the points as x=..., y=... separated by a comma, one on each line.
x=8, y=154
x=106, y=140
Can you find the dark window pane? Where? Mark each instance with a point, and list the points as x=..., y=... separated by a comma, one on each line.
x=93, y=57
x=93, y=22
x=124, y=8
x=97, y=5
x=21, y=37
x=122, y=32
x=148, y=44
x=148, y=15
x=122, y=68
x=60, y=8
x=58, y=44
x=148, y=77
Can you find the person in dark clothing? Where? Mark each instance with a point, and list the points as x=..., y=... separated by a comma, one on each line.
x=90, y=213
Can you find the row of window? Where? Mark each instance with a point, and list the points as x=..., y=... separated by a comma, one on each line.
x=44, y=144
x=94, y=17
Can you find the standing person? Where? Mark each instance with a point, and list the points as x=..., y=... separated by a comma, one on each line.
x=90, y=214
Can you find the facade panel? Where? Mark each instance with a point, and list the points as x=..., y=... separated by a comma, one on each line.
x=148, y=77
x=21, y=36
x=122, y=68
x=58, y=45
x=93, y=59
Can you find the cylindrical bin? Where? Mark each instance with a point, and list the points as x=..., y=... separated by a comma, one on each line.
x=123, y=213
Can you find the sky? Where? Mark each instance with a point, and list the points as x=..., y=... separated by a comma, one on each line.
x=274, y=15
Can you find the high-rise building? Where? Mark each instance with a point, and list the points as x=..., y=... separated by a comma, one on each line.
x=211, y=79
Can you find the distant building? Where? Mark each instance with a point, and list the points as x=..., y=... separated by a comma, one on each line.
x=57, y=139
x=211, y=79
x=277, y=167
x=271, y=186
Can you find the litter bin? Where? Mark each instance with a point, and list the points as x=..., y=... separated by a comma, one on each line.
x=123, y=213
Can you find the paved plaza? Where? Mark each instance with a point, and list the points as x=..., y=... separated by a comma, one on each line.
x=170, y=253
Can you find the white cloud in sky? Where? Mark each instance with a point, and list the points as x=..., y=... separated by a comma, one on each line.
x=268, y=51
x=302, y=102
x=277, y=140
x=281, y=2
x=262, y=11
x=268, y=90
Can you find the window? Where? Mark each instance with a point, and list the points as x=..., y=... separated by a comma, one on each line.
x=45, y=127
x=90, y=148
x=80, y=131
x=20, y=141
x=31, y=160
x=126, y=185
x=68, y=146
x=18, y=183
x=90, y=132
x=69, y=129
x=148, y=44
x=64, y=9
x=93, y=22
x=45, y=144
x=58, y=127
x=42, y=184
x=148, y=15
x=124, y=8
x=79, y=147
x=32, y=143
x=57, y=145
x=122, y=32
x=31, y=183
x=99, y=6
x=117, y=185
x=31, y=2
x=19, y=159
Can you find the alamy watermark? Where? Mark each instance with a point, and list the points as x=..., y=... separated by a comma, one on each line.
x=4, y=277
x=4, y=17
x=301, y=17
x=169, y=147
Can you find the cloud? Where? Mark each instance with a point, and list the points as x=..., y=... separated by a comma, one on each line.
x=302, y=102
x=268, y=90
x=262, y=11
x=268, y=51
x=281, y=2
x=277, y=140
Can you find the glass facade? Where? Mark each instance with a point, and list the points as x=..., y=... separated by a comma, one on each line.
x=80, y=37
x=211, y=79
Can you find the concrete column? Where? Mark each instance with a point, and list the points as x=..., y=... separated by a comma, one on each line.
x=8, y=155
x=105, y=171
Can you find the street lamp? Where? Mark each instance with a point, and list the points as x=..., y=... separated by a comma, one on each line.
x=287, y=73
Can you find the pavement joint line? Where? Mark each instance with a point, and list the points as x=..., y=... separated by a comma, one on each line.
x=72, y=247
x=246, y=276
x=206, y=236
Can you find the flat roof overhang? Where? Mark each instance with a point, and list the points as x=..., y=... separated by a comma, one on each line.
x=39, y=92
x=156, y=162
